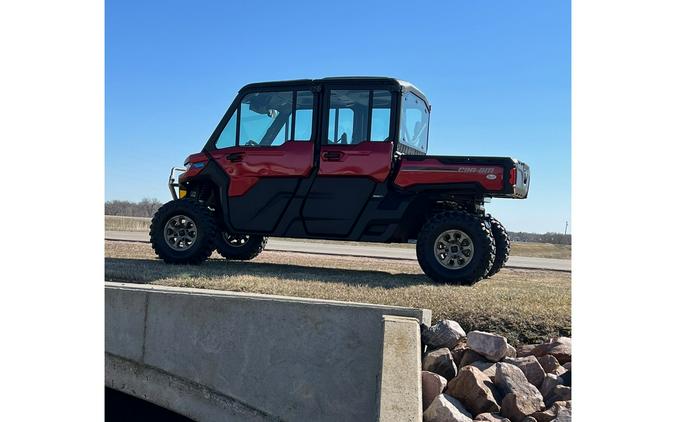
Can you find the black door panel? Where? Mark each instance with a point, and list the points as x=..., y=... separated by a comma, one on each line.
x=263, y=205
x=334, y=204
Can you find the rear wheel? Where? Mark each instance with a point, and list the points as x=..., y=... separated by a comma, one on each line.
x=182, y=232
x=455, y=247
x=502, y=244
x=242, y=247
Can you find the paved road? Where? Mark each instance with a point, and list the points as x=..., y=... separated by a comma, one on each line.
x=369, y=251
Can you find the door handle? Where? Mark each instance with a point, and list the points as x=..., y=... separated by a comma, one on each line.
x=235, y=157
x=332, y=155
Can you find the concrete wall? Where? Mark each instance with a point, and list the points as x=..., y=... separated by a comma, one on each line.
x=213, y=355
x=401, y=360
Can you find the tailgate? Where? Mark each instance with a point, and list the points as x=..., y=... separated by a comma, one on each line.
x=499, y=177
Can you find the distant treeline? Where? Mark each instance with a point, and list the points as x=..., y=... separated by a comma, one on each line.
x=147, y=208
x=555, y=238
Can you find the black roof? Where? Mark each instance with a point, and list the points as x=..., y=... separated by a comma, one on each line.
x=347, y=80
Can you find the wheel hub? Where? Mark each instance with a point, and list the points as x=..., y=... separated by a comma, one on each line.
x=236, y=240
x=180, y=232
x=453, y=249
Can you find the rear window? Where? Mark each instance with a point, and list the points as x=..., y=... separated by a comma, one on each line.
x=414, y=122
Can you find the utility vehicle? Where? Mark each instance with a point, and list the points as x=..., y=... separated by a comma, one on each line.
x=343, y=159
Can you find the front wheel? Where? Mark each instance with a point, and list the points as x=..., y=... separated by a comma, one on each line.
x=456, y=247
x=241, y=247
x=182, y=232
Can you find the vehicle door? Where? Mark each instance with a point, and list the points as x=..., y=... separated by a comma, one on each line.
x=266, y=149
x=355, y=154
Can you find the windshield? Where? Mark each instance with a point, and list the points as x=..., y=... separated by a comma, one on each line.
x=414, y=122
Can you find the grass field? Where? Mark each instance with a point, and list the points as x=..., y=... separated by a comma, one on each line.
x=537, y=250
x=523, y=305
x=127, y=224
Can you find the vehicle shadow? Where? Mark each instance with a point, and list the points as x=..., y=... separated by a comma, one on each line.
x=152, y=270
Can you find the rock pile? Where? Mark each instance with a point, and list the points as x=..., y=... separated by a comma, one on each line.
x=480, y=377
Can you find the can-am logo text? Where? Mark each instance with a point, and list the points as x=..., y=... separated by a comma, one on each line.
x=479, y=170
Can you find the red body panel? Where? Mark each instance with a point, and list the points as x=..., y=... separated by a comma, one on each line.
x=430, y=171
x=195, y=158
x=292, y=158
x=366, y=159
x=192, y=170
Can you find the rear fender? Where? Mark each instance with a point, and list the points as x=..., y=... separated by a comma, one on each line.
x=428, y=203
x=413, y=218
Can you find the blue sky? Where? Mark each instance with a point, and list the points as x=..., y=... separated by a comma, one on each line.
x=497, y=74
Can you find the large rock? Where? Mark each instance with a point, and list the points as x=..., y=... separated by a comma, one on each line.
x=490, y=417
x=516, y=407
x=432, y=386
x=458, y=351
x=559, y=347
x=548, y=384
x=511, y=351
x=553, y=411
x=488, y=368
x=559, y=393
x=521, y=398
x=559, y=370
x=530, y=367
x=566, y=378
x=474, y=389
x=525, y=350
x=440, y=361
x=565, y=415
x=446, y=409
x=446, y=333
x=549, y=363
x=492, y=346
x=469, y=357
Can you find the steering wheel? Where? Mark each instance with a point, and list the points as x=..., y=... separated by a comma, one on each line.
x=341, y=140
x=251, y=143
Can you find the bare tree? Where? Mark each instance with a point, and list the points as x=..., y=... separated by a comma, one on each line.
x=145, y=208
x=555, y=238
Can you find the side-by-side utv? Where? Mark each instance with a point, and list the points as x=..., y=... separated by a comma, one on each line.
x=341, y=159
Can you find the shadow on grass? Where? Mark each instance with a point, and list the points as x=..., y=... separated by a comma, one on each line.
x=151, y=270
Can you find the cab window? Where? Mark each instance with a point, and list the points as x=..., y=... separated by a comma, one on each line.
x=380, y=118
x=304, y=116
x=264, y=118
x=270, y=119
x=228, y=136
x=355, y=116
x=414, y=122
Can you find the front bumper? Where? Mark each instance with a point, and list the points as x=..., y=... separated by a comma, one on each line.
x=173, y=182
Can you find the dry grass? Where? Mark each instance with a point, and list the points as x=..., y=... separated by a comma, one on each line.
x=541, y=250
x=127, y=224
x=538, y=250
x=523, y=305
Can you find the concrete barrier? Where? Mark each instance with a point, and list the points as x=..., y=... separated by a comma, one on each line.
x=401, y=360
x=213, y=355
